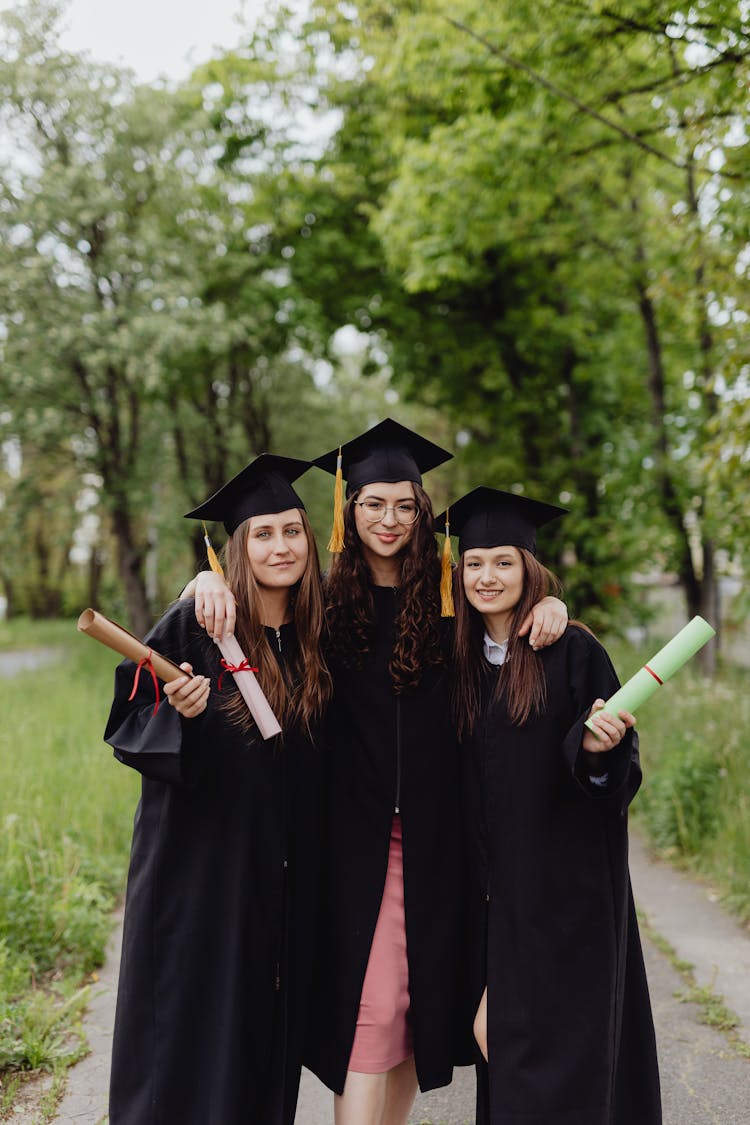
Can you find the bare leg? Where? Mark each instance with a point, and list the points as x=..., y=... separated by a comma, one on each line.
x=363, y=1099
x=377, y=1099
x=401, y=1091
x=480, y=1025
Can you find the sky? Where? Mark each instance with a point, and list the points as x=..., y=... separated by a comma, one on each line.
x=155, y=38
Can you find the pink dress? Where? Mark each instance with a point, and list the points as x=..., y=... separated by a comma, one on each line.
x=383, y=1036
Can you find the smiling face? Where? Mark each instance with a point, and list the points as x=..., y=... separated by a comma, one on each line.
x=386, y=537
x=277, y=548
x=493, y=579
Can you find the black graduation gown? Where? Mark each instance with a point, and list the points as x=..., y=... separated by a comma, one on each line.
x=387, y=750
x=220, y=902
x=570, y=1033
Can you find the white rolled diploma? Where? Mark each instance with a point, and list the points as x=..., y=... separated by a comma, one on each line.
x=252, y=692
x=659, y=668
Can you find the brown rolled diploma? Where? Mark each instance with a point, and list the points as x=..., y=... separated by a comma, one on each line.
x=108, y=633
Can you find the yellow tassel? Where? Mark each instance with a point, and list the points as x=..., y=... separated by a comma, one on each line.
x=213, y=561
x=336, y=542
x=446, y=575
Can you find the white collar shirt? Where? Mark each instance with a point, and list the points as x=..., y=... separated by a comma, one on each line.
x=495, y=653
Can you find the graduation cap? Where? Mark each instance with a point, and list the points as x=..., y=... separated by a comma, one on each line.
x=263, y=487
x=388, y=452
x=487, y=517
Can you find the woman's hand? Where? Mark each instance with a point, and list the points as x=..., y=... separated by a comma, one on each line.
x=547, y=621
x=610, y=731
x=188, y=695
x=215, y=607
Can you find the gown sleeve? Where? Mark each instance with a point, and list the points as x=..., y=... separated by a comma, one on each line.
x=161, y=745
x=591, y=676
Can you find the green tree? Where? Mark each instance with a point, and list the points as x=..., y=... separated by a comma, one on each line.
x=153, y=330
x=94, y=283
x=563, y=254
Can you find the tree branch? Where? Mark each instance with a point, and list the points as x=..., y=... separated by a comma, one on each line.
x=558, y=92
x=678, y=78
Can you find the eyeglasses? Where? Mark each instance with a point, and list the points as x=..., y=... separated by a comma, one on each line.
x=406, y=512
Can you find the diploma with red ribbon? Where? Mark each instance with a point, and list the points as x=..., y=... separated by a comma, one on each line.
x=146, y=662
x=659, y=669
x=109, y=633
x=244, y=666
x=236, y=662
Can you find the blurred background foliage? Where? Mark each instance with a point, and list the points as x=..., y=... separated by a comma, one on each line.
x=522, y=229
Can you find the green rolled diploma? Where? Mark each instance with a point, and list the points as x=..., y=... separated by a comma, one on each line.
x=659, y=668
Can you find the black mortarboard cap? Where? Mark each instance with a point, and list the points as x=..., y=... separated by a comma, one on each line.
x=388, y=452
x=263, y=487
x=487, y=517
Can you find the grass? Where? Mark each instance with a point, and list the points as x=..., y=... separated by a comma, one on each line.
x=66, y=813
x=694, y=805
x=51, y=1097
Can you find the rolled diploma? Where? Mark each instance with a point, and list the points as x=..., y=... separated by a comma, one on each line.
x=659, y=668
x=109, y=633
x=252, y=692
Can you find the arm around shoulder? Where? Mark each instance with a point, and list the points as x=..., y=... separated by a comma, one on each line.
x=215, y=606
x=546, y=623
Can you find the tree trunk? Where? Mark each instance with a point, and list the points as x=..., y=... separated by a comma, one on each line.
x=130, y=566
x=94, y=576
x=152, y=549
x=699, y=586
x=699, y=589
x=590, y=593
x=9, y=602
x=708, y=607
x=46, y=596
x=709, y=593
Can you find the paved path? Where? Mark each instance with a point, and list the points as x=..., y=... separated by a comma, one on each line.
x=687, y=914
x=27, y=660
x=704, y=1082
x=85, y=1098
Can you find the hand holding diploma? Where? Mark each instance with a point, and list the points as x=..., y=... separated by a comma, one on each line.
x=188, y=696
x=112, y=635
x=605, y=731
x=659, y=669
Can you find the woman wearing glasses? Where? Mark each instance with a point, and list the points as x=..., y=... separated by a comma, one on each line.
x=391, y=942
x=389, y=981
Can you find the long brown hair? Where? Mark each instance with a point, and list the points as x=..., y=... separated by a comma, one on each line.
x=350, y=608
x=521, y=681
x=298, y=698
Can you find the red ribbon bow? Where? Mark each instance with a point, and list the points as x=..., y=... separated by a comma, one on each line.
x=242, y=667
x=146, y=662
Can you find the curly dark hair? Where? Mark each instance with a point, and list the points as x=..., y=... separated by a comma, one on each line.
x=350, y=609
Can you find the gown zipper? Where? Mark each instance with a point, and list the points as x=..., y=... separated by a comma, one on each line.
x=284, y=866
x=397, y=802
